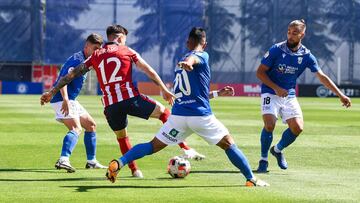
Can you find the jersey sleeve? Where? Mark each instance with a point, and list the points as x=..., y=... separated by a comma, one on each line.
x=203, y=57
x=313, y=64
x=89, y=62
x=133, y=55
x=70, y=63
x=269, y=57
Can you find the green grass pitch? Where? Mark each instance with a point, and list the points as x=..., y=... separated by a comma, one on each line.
x=324, y=162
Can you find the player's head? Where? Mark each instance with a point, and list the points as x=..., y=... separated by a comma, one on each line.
x=296, y=32
x=116, y=33
x=93, y=42
x=197, y=37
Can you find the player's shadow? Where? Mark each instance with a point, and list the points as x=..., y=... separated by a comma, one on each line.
x=215, y=172
x=80, y=188
x=31, y=170
x=51, y=179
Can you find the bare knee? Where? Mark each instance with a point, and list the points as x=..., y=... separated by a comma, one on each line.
x=91, y=127
x=157, y=145
x=77, y=129
x=225, y=142
x=297, y=129
x=269, y=127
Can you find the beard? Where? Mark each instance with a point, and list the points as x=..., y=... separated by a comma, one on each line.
x=292, y=45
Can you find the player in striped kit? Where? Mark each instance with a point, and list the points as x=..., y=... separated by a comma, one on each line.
x=113, y=66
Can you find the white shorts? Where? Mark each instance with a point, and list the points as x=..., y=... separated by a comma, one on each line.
x=287, y=107
x=178, y=128
x=75, y=110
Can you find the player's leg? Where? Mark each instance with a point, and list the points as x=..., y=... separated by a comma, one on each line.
x=72, y=122
x=137, y=152
x=116, y=117
x=88, y=123
x=69, y=143
x=214, y=132
x=269, y=110
x=292, y=115
x=162, y=113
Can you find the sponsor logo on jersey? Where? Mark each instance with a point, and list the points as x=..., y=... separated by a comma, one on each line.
x=284, y=69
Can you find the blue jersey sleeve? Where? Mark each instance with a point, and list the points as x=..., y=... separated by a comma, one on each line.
x=72, y=62
x=269, y=57
x=203, y=56
x=313, y=64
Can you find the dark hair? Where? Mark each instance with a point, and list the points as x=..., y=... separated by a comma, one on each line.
x=94, y=38
x=300, y=23
x=198, y=34
x=116, y=29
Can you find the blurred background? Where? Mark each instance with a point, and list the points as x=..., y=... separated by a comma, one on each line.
x=37, y=36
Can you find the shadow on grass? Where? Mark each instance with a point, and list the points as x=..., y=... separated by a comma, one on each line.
x=32, y=170
x=51, y=179
x=215, y=172
x=87, y=188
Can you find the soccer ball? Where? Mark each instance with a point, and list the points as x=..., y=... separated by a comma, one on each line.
x=178, y=167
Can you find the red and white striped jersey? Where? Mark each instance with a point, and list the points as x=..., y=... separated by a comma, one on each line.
x=113, y=66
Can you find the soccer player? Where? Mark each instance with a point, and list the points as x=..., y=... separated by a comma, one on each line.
x=278, y=71
x=113, y=66
x=72, y=114
x=191, y=113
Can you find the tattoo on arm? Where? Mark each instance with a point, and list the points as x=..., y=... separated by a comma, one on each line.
x=81, y=69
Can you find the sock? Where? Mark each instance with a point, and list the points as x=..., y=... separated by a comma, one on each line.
x=69, y=143
x=125, y=146
x=164, y=116
x=183, y=145
x=90, y=145
x=287, y=138
x=265, y=140
x=239, y=160
x=137, y=152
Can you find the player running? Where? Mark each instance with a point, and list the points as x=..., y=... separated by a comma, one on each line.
x=70, y=112
x=113, y=66
x=191, y=113
x=279, y=69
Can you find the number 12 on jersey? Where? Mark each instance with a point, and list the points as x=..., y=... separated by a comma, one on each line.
x=113, y=77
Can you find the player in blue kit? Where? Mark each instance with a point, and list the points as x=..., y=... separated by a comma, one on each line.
x=191, y=113
x=70, y=112
x=278, y=71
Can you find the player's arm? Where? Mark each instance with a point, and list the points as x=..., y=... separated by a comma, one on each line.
x=189, y=62
x=261, y=74
x=327, y=82
x=79, y=70
x=225, y=91
x=151, y=73
x=65, y=104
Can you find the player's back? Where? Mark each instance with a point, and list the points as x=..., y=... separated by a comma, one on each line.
x=191, y=88
x=113, y=66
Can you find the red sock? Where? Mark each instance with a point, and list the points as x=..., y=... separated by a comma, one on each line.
x=183, y=145
x=125, y=146
x=164, y=116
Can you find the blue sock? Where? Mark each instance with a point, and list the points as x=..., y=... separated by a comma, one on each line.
x=90, y=145
x=137, y=152
x=239, y=160
x=287, y=138
x=265, y=140
x=69, y=143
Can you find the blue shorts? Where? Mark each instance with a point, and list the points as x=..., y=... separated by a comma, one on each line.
x=140, y=106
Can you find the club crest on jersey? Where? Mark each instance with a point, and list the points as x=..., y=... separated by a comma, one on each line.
x=283, y=55
x=300, y=60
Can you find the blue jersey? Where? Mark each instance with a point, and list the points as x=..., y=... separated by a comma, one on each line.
x=286, y=66
x=191, y=88
x=74, y=87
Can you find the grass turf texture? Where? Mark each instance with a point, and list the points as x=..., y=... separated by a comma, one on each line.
x=323, y=163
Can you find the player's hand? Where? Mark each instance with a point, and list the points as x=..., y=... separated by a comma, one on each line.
x=168, y=96
x=45, y=98
x=65, y=107
x=281, y=92
x=346, y=101
x=193, y=154
x=185, y=65
x=226, y=91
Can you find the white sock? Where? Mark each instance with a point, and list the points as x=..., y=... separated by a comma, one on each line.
x=264, y=158
x=64, y=158
x=276, y=149
x=120, y=164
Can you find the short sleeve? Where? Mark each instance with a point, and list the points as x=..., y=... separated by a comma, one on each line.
x=269, y=57
x=67, y=67
x=313, y=64
x=133, y=55
x=202, y=56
